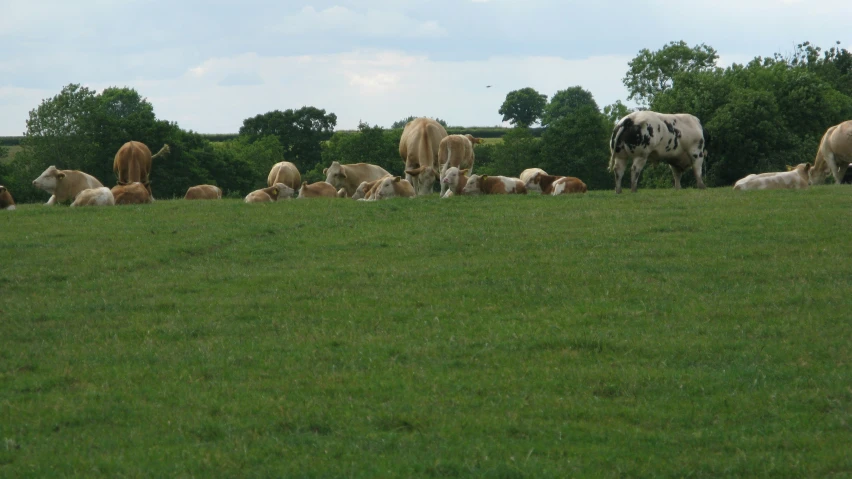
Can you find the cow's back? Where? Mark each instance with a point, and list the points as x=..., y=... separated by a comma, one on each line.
x=203, y=192
x=420, y=142
x=455, y=150
x=132, y=163
x=132, y=194
x=74, y=182
x=286, y=173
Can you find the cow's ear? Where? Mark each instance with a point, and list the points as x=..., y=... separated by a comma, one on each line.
x=60, y=175
x=396, y=179
x=807, y=167
x=464, y=171
x=790, y=168
x=325, y=171
x=483, y=177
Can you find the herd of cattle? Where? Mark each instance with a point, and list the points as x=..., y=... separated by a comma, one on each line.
x=431, y=155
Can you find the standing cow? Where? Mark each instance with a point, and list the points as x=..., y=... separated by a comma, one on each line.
x=456, y=151
x=418, y=147
x=285, y=173
x=678, y=140
x=834, y=154
x=132, y=164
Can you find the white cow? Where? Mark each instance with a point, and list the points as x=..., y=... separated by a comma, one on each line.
x=796, y=178
x=95, y=197
x=834, y=154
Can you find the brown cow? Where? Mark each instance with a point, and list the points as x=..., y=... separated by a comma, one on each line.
x=272, y=193
x=133, y=194
x=64, y=185
x=528, y=174
x=494, y=185
x=286, y=173
x=833, y=155
x=393, y=187
x=455, y=150
x=203, y=192
x=317, y=190
x=418, y=147
x=6, y=201
x=453, y=182
x=132, y=164
x=556, y=185
x=349, y=177
x=366, y=189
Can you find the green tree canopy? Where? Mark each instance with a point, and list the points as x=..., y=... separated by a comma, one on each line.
x=567, y=102
x=651, y=73
x=523, y=107
x=300, y=132
x=404, y=121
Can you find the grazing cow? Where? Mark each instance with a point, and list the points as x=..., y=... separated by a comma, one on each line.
x=349, y=177
x=133, y=162
x=203, y=192
x=286, y=173
x=678, y=140
x=834, y=154
x=320, y=189
x=133, y=194
x=557, y=185
x=418, y=147
x=494, y=185
x=456, y=150
x=528, y=174
x=393, y=187
x=95, y=197
x=453, y=182
x=6, y=201
x=64, y=185
x=270, y=194
x=796, y=178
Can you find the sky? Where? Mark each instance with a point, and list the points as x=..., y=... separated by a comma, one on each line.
x=208, y=65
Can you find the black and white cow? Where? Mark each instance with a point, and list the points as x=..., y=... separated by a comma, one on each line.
x=677, y=139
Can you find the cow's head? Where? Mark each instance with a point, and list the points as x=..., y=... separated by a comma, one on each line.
x=387, y=188
x=803, y=169
x=474, y=185
x=283, y=191
x=452, y=177
x=48, y=180
x=473, y=140
x=816, y=176
x=423, y=178
x=302, y=189
x=361, y=191
x=334, y=174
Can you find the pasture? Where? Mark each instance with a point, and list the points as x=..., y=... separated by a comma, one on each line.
x=665, y=333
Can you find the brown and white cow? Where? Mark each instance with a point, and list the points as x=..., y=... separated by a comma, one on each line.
x=494, y=185
x=133, y=194
x=269, y=194
x=796, y=178
x=132, y=163
x=94, y=197
x=456, y=150
x=678, y=140
x=367, y=189
x=349, y=177
x=320, y=189
x=64, y=185
x=286, y=173
x=556, y=185
x=528, y=174
x=6, y=200
x=453, y=181
x=418, y=147
x=833, y=155
x=203, y=192
x=393, y=187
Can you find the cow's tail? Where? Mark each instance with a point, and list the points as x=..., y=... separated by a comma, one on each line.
x=165, y=150
x=133, y=173
x=615, y=139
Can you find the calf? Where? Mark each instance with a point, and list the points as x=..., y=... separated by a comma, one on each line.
x=6, y=201
x=203, y=192
x=64, y=185
x=94, y=197
x=393, y=187
x=556, y=185
x=270, y=194
x=366, y=189
x=493, y=185
x=349, y=177
x=796, y=178
x=455, y=150
x=320, y=189
x=133, y=194
x=453, y=182
x=528, y=174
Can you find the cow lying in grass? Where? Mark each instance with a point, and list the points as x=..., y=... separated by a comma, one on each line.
x=95, y=197
x=6, y=201
x=133, y=194
x=64, y=185
x=494, y=185
x=270, y=194
x=320, y=189
x=453, y=182
x=796, y=178
x=556, y=185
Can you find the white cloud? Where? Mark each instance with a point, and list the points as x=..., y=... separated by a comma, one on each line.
x=372, y=23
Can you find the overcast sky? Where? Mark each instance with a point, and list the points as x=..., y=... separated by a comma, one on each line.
x=210, y=64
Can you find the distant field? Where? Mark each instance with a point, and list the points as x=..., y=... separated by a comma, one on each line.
x=665, y=333
x=13, y=150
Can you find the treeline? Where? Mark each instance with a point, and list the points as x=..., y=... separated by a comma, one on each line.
x=760, y=116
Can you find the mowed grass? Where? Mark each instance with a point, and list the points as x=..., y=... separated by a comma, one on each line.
x=665, y=333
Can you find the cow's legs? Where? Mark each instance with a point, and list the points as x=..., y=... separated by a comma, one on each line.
x=832, y=165
x=620, y=166
x=51, y=201
x=841, y=170
x=697, y=166
x=635, y=171
x=676, y=174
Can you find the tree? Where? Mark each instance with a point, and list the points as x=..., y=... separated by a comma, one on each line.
x=518, y=151
x=371, y=144
x=300, y=132
x=523, y=107
x=651, y=73
x=574, y=146
x=404, y=121
x=616, y=112
x=567, y=102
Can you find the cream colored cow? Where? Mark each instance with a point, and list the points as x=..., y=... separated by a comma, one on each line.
x=94, y=197
x=833, y=155
x=64, y=185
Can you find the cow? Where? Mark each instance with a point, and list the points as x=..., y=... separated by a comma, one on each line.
x=418, y=147
x=286, y=173
x=94, y=197
x=6, y=200
x=349, y=177
x=270, y=194
x=456, y=150
x=453, y=182
x=556, y=185
x=527, y=174
x=833, y=154
x=203, y=192
x=133, y=194
x=393, y=187
x=796, y=178
x=367, y=188
x=64, y=185
x=132, y=164
x=319, y=189
x=494, y=185
x=676, y=139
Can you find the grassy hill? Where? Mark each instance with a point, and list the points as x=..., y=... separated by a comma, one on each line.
x=666, y=333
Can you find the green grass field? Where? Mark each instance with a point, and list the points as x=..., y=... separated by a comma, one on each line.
x=665, y=333
x=13, y=150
